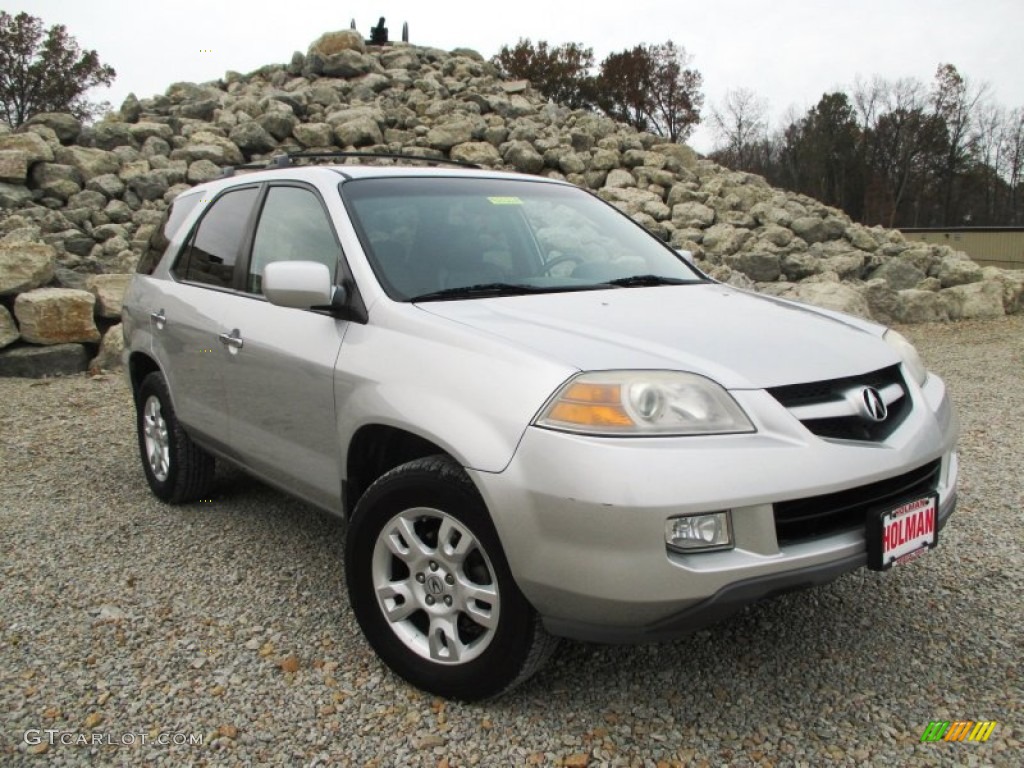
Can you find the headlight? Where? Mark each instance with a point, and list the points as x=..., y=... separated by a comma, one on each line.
x=911, y=360
x=643, y=403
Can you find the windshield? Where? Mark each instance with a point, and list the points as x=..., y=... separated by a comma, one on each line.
x=453, y=238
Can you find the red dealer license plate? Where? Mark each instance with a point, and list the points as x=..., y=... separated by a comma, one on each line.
x=897, y=536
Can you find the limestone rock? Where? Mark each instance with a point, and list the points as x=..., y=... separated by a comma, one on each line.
x=921, y=307
x=758, y=266
x=111, y=348
x=56, y=180
x=476, y=152
x=41, y=362
x=65, y=126
x=33, y=146
x=252, y=138
x=957, y=270
x=692, y=215
x=332, y=42
x=56, y=316
x=811, y=229
x=976, y=301
x=313, y=134
x=24, y=266
x=1012, y=282
x=109, y=291
x=13, y=166
x=837, y=296
x=202, y=171
x=900, y=273
x=8, y=330
x=14, y=195
x=523, y=157
x=449, y=134
x=90, y=162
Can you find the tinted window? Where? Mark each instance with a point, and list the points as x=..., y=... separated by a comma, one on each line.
x=213, y=250
x=173, y=218
x=293, y=227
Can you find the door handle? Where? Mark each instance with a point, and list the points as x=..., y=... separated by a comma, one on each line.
x=159, y=318
x=232, y=340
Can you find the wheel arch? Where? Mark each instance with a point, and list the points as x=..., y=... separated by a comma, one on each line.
x=376, y=449
x=140, y=365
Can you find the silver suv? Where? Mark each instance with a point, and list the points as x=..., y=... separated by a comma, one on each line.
x=539, y=420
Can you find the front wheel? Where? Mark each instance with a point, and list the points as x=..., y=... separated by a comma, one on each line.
x=431, y=589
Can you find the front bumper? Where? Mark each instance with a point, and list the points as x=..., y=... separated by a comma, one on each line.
x=582, y=519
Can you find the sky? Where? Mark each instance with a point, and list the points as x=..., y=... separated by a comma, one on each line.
x=789, y=52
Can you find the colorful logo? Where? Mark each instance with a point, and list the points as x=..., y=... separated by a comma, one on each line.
x=959, y=730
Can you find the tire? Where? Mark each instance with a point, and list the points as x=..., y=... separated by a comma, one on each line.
x=431, y=588
x=177, y=469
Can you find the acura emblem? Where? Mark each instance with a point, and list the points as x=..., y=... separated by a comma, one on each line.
x=435, y=586
x=874, y=405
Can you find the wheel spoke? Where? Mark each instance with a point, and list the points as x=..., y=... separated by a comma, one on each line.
x=480, y=603
x=455, y=552
x=405, y=543
x=444, y=641
x=397, y=600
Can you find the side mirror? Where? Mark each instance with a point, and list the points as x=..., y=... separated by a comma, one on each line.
x=297, y=284
x=686, y=255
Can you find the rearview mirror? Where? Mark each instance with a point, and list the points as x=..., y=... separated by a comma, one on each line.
x=297, y=284
x=687, y=256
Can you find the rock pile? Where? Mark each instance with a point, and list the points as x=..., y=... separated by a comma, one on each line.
x=79, y=203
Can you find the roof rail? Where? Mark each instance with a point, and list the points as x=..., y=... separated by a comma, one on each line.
x=286, y=160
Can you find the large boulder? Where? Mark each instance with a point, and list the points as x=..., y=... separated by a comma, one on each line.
x=900, y=273
x=24, y=266
x=56, y=180
x=56, y=316
x=759, y=266
x=109, y=291
x=251, y=137
x=32, y=145
x=330, y=43
x=111, y=350
x=837, y=296
x=41, y=362
x=14, y=165
x=916, y=306
x=65, y=126
x=976, y=301
x=8, y=330
x=90, y=162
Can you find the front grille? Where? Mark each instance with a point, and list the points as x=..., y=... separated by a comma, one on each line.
x=831, y=392
x=801, y=519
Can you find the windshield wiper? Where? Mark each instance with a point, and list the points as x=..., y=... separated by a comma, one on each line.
x=643, y=281
x=482, y=289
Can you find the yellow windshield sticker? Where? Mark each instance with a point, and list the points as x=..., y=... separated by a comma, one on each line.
x=505, y=201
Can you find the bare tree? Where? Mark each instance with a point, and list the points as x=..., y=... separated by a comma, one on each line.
x=740, y=123
x=955, y=101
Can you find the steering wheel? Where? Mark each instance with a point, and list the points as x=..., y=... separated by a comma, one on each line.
x=548, y=266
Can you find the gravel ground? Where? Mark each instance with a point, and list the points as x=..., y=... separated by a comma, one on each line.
x=122, y=619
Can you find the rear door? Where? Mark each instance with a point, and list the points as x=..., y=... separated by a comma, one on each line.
x=279, y=370
x=186, y=315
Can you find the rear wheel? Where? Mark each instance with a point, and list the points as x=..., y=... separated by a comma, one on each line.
x=176, y=468
x=431, y=589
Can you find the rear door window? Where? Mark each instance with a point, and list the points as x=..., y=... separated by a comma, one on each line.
x=214, y=248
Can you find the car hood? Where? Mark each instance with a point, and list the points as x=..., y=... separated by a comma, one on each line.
x=741, y=340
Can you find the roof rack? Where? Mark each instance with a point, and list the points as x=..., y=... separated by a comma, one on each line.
x=285, y=160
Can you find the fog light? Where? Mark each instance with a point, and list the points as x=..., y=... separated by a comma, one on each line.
x=699, y=533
